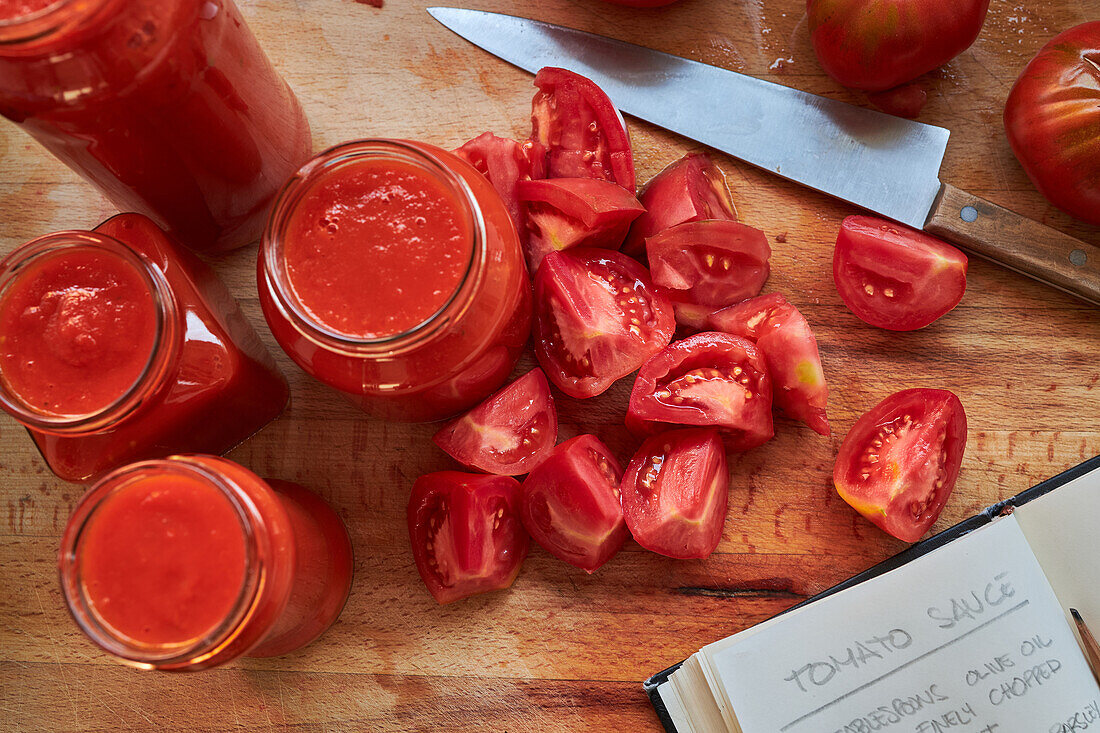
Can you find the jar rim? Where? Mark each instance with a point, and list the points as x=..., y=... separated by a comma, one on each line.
x=25, y=30
x=273, y=263
x=161, y=355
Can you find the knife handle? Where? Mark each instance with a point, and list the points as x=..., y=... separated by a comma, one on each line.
x=1019, y=243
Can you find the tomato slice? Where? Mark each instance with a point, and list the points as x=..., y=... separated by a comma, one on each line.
x=597, y=319
x=505, y=163
x=574, y=212
x=710, y=263
x=708, y=379
x=895, y=277
x=571, y=503
x=584, y=135
x=898, y=463
x=675, y=492
x=467, y=537
x=790, y=351
x=692, y=188
x=509, y=432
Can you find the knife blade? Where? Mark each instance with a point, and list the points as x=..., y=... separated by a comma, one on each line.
x=876, y=161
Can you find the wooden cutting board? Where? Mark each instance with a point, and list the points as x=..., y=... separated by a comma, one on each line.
x=564, y=651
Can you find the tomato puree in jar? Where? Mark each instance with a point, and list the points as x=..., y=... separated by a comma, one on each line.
x=76, y=331
x=376, y=247
x=11, y=9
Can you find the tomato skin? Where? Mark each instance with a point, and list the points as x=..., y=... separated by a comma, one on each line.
x=895, y=277
x=675, y=492
x=790, y=351
x=585, y=337
x=903, y=483
x=879, y=44
x=583, y=133
x=505, y=163
x=507, y=434
x=692, y=188
x=1052, y=119
x=471, y=523
x=571, y=503
x=711, y=380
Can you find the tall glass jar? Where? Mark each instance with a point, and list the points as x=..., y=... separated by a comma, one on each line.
x=169, y=107
x=432, y=366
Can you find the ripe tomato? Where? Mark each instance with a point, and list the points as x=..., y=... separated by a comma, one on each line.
x=878, y=44
x=675, y=492
x=505, y=163
x=707, y=265
x=508, y=433
x=709, y=379
x=597, y=319
x=1053, y=121
x=466, y=533
x=790, y=351
x=584, y=135
x=899, y=462
x=691, y=189
x=574, y=212
x=571, y=503
x=895, y=277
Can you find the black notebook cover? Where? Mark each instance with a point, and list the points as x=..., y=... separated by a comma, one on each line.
x=966, y=526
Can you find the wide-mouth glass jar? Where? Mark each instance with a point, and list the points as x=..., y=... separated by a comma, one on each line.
x=392, y=271
x=188, y=562
x=117, y=345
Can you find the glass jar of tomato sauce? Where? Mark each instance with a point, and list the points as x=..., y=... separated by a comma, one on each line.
x=392, y=271
x=189, y=562
x=118, y=345
x=169, y=107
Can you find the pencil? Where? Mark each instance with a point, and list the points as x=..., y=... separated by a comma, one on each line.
x=1092, y=649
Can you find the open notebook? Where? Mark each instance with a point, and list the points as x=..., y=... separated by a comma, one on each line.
x=967, y=631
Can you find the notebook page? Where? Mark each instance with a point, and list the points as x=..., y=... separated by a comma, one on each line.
x=968, y=638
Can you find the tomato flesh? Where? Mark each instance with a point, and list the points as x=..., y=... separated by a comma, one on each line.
x=466, y=533
x=675, y=492
x=692, y=188
x=582, y=131
x=575, y=212
x=571, y=503
x=898, y=464
x=895, y=277
x=790, y=351
x=507, y=434
x=506, y=163
x=597, y=319
x=708, y=379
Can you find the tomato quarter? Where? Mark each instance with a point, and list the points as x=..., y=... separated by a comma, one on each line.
x=505, y=163
x=898, y=464
x=466, y=533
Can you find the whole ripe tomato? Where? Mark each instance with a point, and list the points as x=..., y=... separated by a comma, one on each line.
x=898, y=464
x=1052, y=118
x=467, y=537
x=878, y=44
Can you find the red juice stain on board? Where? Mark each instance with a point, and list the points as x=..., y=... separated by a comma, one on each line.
x=372, y=3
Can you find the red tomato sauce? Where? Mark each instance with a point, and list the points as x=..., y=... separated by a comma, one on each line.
x=11, y=9
x=78, y=328
x=163, y=559
x=375, y=247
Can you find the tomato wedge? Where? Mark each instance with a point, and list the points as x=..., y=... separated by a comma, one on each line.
x=597, y=319
x=466, y=533
x=571, y=503
x=895, y=277
x=707, y=265
x=709, y=379
x=675, y=492
x=505, y=163
x=584, y=135
x=508, y=433
x=899, y=462
x=790, y=351
x=574, y=212
x=692, y=188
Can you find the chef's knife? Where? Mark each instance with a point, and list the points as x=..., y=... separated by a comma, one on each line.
x=886, y=164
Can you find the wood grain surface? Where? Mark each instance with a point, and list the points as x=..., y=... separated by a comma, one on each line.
x=564, y=651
